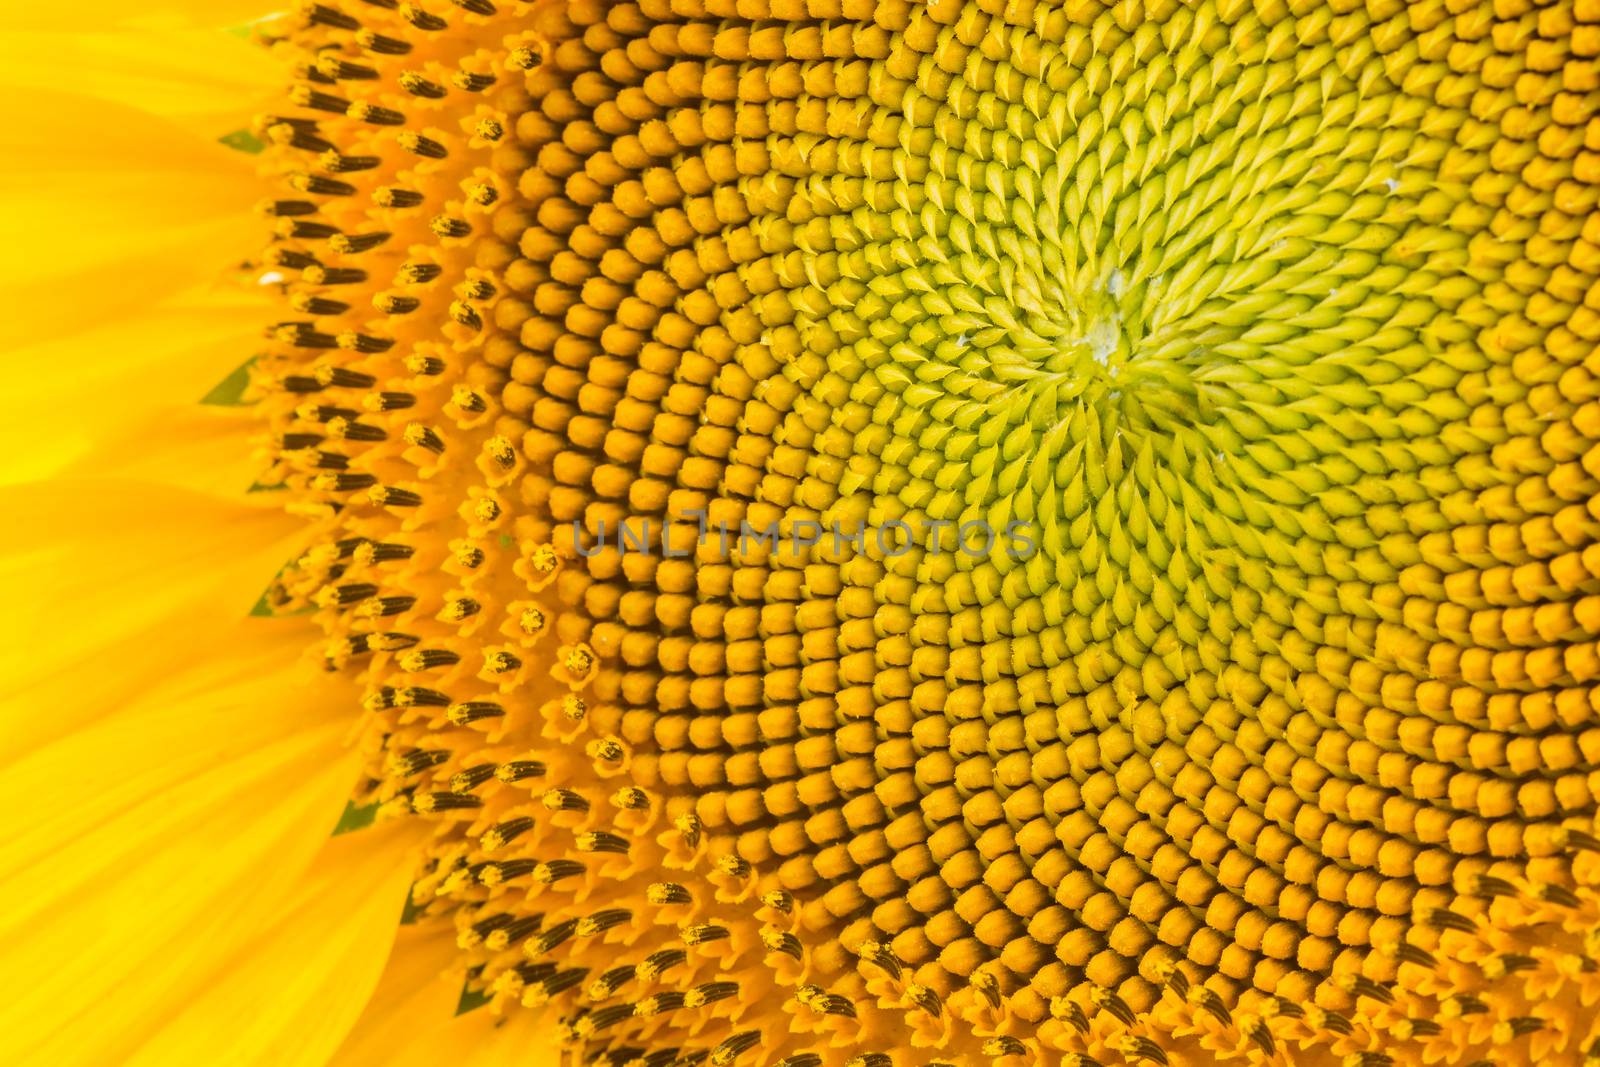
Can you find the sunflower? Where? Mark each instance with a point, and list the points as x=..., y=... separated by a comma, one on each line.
x=801, y=533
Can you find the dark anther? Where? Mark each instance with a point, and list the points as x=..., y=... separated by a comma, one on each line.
x=379, y=44
x=328, y=461
x=334, y=163
x=446, y=802
x=344, y=483
x=501, y=662
x=390, y=497
x=1261, y=1034
x=301, y=335
x=834, y=1004
x=926, y=999
x=394, y=304
x=416, y=696
x=344, y=377
x=1146, y=1049
x=1108, y=1001
x=601, y=921
x=498, y=873
x=305, y=230
x=320, y=275
x=287, y=208
x=1363, y=986
x=392, y=197
x=356, y=431
x=417, y=85
x=421, y=19
x=1284, y=1007
x=317, y=100
x=419, y=760
x=608, y=1016
x=657, y=963
x=377, y=116
x=1556, y=894
x=729, y=1050
x=608, y=983
x=517, y=770
x=388, y=605
x=288, y=259
x=470, y=81
x=317, y=305
x=565, y=800
x=509, y=831
x=783, y=941
x=1489, y=886
x=1412, y=954
x=1582, y=840
x=1447, y=919
x=602, y=841
x=322, y=15
x=364, y=343
x=551, y=938
x=703, y=933
x=332, y=66
x=417, y=144
x=352, y=593
x=390, y=400
x=662, y=893
x=466, y=781
x=871, y=1059
x=554, y=871
x=473, y=711
x=424, y=437
x=417, y=273
x=320, y=186
x=298, y=135
x=428, y=658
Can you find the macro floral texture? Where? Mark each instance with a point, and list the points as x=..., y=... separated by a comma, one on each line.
x=1253, y=343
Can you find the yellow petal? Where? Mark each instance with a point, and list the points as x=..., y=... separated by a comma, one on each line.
x=411, y=1019
x=51, y=132
x=76, y=249
x=117, y=13
x=290, y=996
x=203, y=80
x=207, y=449
x=116, y=575
x=102, y=384
x=143, y=852
x=74, y=258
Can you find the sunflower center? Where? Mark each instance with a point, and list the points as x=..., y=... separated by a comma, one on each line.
x=1270, y=734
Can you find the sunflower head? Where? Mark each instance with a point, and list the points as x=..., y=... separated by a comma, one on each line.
x=1045, y=514
x=875, y=533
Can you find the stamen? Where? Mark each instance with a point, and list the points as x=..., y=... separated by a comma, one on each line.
x=417, y=85
x=379, y=44
x=420, y=145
